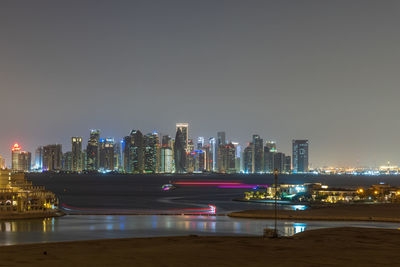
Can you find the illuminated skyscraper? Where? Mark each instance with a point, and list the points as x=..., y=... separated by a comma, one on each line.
x=76, y=154
x=248, y=159
x=258, y=154
x=166, y=141
x=133, y=152
x=52, y=158
x=288, y=164
x=151, y=153
x=106, y=154
x=180, y=152
x=117, y=156
x=221, y=138
x=213, y=153
x=2, y=163
x=67, y=161
x=279, y=162
x=200, y=142
x=238, y=152
x=93, y=151
x=271, y=145
x=39, y=158
x=15, y=151
x=230, y=165
x=24, y=161
x=167, y=160
x=184, y=128
x=300, y=156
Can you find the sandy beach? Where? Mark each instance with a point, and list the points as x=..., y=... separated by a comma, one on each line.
x=328, y=247
x=344, y=212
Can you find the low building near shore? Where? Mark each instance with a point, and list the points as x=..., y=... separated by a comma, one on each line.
x=18, y=195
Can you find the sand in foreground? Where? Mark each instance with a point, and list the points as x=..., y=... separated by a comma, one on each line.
x=323, y=247
x=347, y=212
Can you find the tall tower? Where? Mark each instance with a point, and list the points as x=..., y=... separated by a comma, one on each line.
x=15, y=151
x=93, y=150
x=221, y=138
x=52, y=158
x=180, y=152
x=184, y=128
x=258, y=154
x=300, y=156
x=76, y=154
x=151, y=153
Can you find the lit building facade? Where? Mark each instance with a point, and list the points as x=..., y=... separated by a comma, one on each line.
x=76, y=154
x=184, y=129
x=180, y=152
x=300, y=156
x=258, y=154
x=93, y=151
x=106, y=147
x=166, y=160
x=151, y=153
x=52, y=157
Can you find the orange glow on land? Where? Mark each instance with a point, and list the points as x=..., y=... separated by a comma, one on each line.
x=16, y=147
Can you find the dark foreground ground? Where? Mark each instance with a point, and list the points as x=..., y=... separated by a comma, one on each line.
x=324, y=247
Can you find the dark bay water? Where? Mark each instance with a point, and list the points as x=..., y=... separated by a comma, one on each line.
x=143, y=192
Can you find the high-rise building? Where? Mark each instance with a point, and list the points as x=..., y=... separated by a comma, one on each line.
x=269, y=152
x=39, y=158
x=248, y=159
x=221, y=138
x=106, y=147
x=258, y=154
x=230, y=165
x=271, y=145
x=213, y=154
x=288, y=164
x=52, y=158
x=68, y=161
x=166, y=141
x=133, y=152
x=221, y=159
x=117, y=156
x=184, y=128
x=279, y=162
x=93, y=151
x=21, y=160
x=76, y=154
x=300, y=156
x=167, y=160
x=24, y=161
x=151, y=153
x=238, y=153
x=2, y=163
x=180, y=152
x=200, y=142
x=15, y=151
x=190, y=156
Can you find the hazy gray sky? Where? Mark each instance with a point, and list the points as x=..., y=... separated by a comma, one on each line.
x=328, y=71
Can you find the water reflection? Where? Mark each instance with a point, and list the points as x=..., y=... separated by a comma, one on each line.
x=95, y=227
x=38, y=225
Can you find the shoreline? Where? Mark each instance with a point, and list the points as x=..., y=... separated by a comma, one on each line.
x=31, y=215
x=337, y=246
x=340, y=212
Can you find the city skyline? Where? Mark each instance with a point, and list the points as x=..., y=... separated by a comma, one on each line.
x=326, y=72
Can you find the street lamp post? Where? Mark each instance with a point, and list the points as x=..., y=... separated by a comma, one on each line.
x=275, y=234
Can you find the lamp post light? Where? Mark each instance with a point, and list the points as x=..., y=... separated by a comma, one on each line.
x=275, y=234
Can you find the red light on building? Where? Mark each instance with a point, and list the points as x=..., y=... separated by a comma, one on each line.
x=16, y=147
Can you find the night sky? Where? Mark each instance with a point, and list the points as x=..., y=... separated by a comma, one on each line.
x=327, y=71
